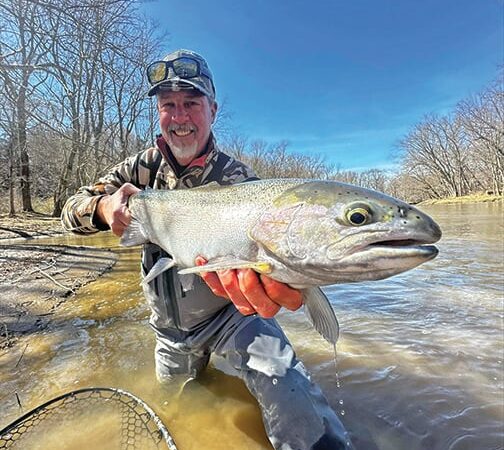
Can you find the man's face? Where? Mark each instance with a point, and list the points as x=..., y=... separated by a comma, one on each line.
x=185, y=119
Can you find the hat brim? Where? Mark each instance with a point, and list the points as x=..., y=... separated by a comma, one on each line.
x=177, y=85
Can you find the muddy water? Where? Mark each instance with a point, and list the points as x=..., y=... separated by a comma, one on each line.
x=420, y=358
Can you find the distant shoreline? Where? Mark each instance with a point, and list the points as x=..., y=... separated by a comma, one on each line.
x=472, y=198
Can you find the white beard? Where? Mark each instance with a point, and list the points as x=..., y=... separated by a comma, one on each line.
x=184, y=155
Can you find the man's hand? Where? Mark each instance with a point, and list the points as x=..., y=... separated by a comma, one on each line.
x=113, y=209
x=251, y=292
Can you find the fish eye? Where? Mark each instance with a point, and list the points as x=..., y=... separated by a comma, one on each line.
x=358, y=215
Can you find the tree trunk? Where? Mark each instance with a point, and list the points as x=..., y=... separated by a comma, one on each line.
x=22, y=124
x=12, y=206
x=24, y=158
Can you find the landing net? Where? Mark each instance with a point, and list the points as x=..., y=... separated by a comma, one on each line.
x=91, y=418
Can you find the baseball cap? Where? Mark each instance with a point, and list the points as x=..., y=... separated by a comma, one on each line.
x=181, y=69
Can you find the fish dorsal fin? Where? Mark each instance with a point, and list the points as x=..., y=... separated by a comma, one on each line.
x=134, y=234
x=225, y=263
x=321, y=314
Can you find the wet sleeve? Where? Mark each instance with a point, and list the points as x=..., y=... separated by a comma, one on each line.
x=78, y=214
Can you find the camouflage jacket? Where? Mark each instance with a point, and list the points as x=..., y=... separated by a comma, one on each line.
x=171, y=306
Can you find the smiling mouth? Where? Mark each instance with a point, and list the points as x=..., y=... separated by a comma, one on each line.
x=182, y=133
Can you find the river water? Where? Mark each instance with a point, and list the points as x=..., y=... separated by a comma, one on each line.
x=420, y=357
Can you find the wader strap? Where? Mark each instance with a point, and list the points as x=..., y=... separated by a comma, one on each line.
x=216, y=173
x=154, y=170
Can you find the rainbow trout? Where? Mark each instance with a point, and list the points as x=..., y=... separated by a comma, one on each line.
x=306, y=233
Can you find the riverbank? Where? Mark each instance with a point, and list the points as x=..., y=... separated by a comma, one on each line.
x=29, y=226
x=473, y=198
x=36, y=278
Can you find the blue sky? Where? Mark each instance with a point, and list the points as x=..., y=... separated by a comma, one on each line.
x=346, y=79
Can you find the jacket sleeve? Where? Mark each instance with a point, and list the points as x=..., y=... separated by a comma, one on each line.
x=78, y=214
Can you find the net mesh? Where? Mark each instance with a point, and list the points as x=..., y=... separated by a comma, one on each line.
x=92, y=418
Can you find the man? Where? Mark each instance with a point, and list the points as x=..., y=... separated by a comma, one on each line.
x=229, y=312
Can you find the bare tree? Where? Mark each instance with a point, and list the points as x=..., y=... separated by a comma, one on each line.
x=127, y=87
x=374, y=179
x=73, y=71
x=345, y=176
x=437, y=147
x=275, y=160
x=23, y=48
x=482, y=117
x=7, y=153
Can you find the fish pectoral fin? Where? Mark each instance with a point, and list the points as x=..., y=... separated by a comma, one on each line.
x=134, y=234
x=161, y=266
x=228, y=263
x=321, y=314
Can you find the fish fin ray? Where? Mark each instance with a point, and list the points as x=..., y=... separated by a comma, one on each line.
x=229, y=263
x=321, y=314
x=162, y=264
x=134, y=234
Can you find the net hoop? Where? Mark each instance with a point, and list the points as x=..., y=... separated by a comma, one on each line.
x=115, y=392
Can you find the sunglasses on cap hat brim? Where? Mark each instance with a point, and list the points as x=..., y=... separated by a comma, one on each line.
x=183, y=70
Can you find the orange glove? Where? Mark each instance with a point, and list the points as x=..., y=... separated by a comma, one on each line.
x=251, y=292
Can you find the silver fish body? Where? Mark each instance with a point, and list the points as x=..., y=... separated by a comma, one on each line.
x=307, y=233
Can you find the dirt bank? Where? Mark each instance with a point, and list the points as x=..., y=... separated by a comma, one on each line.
x=473, y=198
x=28, y=226
x=35, y=278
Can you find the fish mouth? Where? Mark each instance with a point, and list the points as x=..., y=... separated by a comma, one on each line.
x=388, y=251
x=381, y=245
x=400, y=243
x=400, y=248
x=374, y=261
x=380, y=259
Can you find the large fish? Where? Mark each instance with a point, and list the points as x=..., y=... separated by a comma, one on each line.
x=306, y=233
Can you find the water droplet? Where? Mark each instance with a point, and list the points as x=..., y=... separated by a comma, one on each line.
x=341, y=402
x=274, y=381
x=342, y=412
